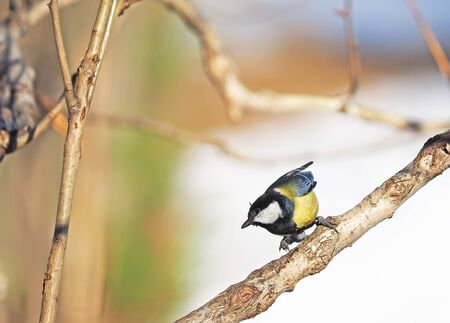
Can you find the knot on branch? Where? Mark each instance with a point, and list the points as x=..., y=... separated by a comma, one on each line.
x=18, y=108
x=434, y=156
x=85, y=82
x=432, y=159
x=399, y=185
x=238, y=295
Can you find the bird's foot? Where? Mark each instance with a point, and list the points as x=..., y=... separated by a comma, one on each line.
x=284, y=245
x=326, y=223
x=287, y=240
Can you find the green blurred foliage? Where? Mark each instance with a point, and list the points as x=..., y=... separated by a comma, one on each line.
x=145, y=252
x=146, y=242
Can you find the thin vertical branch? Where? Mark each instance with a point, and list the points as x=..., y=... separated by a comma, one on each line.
x=354, y=61
x=78, y=99
x=433, y=44
x=71, y=100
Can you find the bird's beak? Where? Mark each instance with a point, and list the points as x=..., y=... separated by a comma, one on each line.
x=247, y=223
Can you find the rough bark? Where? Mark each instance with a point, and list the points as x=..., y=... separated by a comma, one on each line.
x=261, y=288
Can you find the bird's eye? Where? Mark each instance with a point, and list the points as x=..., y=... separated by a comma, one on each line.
x=257, y=211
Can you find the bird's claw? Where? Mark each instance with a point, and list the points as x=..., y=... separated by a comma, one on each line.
x=284, y=245
x=287, y=240
x=326, y=223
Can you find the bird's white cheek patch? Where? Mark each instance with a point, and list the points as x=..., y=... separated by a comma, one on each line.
x=270, y=214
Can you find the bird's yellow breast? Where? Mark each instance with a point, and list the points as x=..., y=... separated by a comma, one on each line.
x=305, y=209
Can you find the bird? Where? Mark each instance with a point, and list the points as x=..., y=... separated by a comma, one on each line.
x=288, y=207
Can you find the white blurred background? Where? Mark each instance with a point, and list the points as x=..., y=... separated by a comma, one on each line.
x=398, y=271
x=155, y=228
x=395, y=273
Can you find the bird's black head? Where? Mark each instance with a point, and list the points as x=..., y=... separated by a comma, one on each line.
x=265, y=210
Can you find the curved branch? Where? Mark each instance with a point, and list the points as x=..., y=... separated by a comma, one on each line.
x=261, y=288
x=222, y=72
x=169, y=131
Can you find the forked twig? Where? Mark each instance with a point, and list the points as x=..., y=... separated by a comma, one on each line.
x=222, y=73
x=78, y=99
x=171, y=132
x=31, y=17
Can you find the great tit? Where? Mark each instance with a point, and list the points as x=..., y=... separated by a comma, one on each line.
x=288, y=207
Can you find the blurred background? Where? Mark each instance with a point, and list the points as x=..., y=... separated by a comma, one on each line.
x=155, y=228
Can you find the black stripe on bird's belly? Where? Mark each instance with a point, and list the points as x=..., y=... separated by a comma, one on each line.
x=281, y=227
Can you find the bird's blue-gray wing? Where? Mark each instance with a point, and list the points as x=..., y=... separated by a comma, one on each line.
x=297, y=181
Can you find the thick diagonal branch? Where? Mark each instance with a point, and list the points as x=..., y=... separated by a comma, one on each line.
x=222, y=72
x=78, y=99
x=261, y=288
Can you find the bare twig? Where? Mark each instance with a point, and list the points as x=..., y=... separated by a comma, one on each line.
x=78, y=100
x=164, y=130
x=171, y=132
x=433, y=44
x=261, y=288
x=27, y=135
x=22, y=15
x=354, y=61
x=222, y=73
x=43, y=124
x=18, y=108
x=59, y=123
x=71, y=100
x=125, y=5
x=39, y=10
